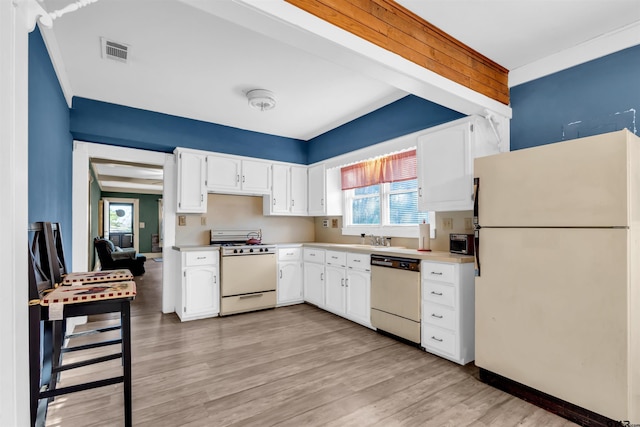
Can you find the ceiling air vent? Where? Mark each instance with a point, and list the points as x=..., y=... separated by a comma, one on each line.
x=114, y=50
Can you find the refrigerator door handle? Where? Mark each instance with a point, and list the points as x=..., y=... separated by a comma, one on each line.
x=476, y=190
x=476, y=247
x=476, y=225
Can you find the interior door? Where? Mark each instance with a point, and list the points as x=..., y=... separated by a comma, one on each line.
x=551, y=312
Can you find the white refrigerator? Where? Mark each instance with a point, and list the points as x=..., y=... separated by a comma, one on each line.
x=558, y=271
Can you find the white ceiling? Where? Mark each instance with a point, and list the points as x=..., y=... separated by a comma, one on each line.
x=198, y=58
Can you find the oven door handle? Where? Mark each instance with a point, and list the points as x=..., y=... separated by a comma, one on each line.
x=250, y=296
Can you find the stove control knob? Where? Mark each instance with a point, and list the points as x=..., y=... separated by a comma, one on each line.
x=235, y=251
x=251, y=250
x=266, y=249
x=241, y=251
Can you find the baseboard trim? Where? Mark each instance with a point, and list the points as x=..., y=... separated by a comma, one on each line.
x=571, y=412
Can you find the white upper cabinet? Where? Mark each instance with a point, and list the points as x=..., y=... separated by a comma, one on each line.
x=288, y=191
x=192, y=197
x=256, y=176
x=298, y=193
x=223, y=173
x=237, y=176
x=445, y=164
x=325, y=192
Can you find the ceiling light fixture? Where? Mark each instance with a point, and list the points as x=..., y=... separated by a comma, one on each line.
x=261, y=99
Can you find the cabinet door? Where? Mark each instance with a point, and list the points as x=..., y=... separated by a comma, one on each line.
x=358, y=291
x=191, y=174
x=223, y=173
x=298, y=186
x=317, y=190
x=200, y=291
x=256, y=177
x=445, y=169
x=289, y=282
x=314, y=283
x=280, y=189
x=334, y=297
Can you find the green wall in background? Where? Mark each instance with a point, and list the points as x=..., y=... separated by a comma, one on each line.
x=94, y=201
x=148, y=204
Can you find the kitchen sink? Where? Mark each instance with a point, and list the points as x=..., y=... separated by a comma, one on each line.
x=375, y=247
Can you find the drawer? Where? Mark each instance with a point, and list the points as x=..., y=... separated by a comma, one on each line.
x=439, y=315
x=336, y=258
x=249, y=302
x=359, y=261
x=289, y=254
x=200, y=258
x=440, y=293
x=442, y=272
x=438, y=339
x=314, y=255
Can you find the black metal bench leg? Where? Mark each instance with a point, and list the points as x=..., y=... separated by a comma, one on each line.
x=125, y=322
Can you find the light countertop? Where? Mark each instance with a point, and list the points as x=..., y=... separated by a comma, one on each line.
x=437, y=256
x=191, y=248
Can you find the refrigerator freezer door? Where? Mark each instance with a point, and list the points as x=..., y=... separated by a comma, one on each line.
x=578, y=183
x=551, y=313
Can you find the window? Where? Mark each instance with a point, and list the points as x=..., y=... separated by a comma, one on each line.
x=391, y=203
x=381, y=197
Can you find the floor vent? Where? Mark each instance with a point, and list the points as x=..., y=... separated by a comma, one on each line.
x=114, y=50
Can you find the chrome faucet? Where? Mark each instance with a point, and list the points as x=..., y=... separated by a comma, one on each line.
x=380, y=240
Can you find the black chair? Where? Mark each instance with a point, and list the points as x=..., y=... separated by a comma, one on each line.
x=46, y=337
x=113, y=259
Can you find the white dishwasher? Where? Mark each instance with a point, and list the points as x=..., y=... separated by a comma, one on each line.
x=395, y=296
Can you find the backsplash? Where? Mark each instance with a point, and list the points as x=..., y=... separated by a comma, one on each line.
x=242, y=212
x=440, y=243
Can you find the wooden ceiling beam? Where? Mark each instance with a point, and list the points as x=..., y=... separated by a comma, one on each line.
x=387, y=24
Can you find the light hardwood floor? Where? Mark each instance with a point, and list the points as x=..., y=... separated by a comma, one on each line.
x=292, y=366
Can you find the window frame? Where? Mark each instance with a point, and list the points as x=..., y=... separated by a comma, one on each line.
x=383, y=229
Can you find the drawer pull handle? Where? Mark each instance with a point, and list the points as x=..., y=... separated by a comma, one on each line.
x=201, y=257
x=436, y=339
x=250, y=296
x=356, y=260
x=289, y=253
x=437, y=273
x=437, y=316
x=436, y=293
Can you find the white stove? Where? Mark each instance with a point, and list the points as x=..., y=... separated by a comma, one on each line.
x=248, y=271
x=236, y=242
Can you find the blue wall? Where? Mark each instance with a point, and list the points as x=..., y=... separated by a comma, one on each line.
x=590, y=93
x=407, y=115
x=50, y=144
x=101, y=122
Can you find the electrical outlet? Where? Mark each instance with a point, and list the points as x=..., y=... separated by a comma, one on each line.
x=447, y=223
x=325, y=223
x=203, y=220
x=182, y=220
x=468, y=224
x=141, y=225
x=334, y=223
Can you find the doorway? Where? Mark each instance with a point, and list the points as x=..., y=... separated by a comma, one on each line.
x=120, y=221
x=83, y=152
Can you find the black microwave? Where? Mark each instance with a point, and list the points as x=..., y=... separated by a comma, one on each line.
x=461, y=244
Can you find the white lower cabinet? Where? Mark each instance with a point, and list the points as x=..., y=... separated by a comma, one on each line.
x=348, y=286
x=314, y=276
x=448, y=310
x=289, y=276
x=358, y=301
x=200, y=291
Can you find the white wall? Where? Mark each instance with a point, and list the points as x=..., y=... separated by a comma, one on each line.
x=14, y=72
